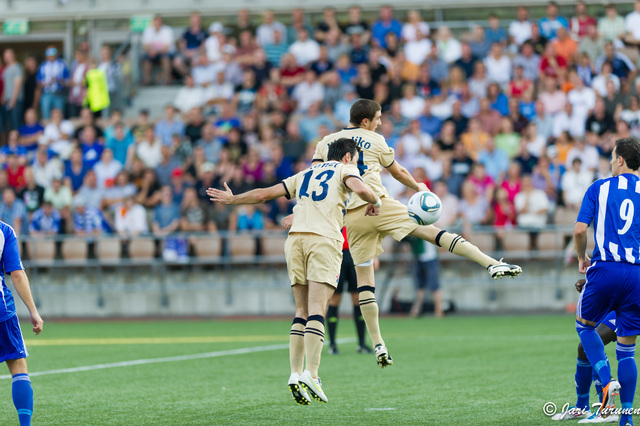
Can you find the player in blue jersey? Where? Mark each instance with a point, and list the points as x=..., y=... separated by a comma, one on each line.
x=613, y=275
x=12, y=348
x=585, y=374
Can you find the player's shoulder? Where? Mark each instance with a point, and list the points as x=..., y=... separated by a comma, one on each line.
x=6, y=231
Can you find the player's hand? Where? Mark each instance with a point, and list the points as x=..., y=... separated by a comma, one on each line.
x=37, y=322
x=423, y=187
x=222, y=197
x=580, y=284
x=584, y=264
x=287, y=222
x=372, y=210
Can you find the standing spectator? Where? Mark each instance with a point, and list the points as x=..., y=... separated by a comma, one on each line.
x=167, y=127
x=305, y=49
x=581, y=21
x=612, y=25
x=33, y=194
x=520, y=29
x=77, y=86
x=58, y=134
x=87, y=219
x=266, y=31
x=53, y=77
x=45, y=221
x=159, y=47
x=495, y=33
x=13, y=212
x=550, y=23
x=13, y=96
x=386, y=24
x=31, y=88
x=120, y=144
x=31, y=130
x=97, y=89
x=113, y=71
x=190, y=43
x=243, y=23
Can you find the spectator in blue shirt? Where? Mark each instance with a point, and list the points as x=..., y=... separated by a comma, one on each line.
x=495, y=160
x=52, y=77
x=190, y=43
x=75, y=169
x=45, y=221
x=31, y=130
x=13, y=147
x=166, y=128
x=166, y=215
x=386, y=24
x=91, y=147
x=495, y=33
x=227, y=121
x=13, y=211
x=87, y=220
x=550, y=23
x=120, y=143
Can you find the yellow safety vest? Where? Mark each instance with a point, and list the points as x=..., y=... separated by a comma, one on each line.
x=97, y=90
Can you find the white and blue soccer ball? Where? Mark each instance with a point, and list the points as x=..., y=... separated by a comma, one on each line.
x=424, y=208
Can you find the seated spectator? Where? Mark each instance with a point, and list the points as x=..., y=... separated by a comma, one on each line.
x=32, y=195
x=266, y=31
x=527, y=106
x=91, y=147
x=193, y=216
x=621, y=66
x=437, y=66
x=581, y=22
x=532, y=206
x=31, y=130
x=587, y=154
x=449, y=48
x=87, y=120
x=210, y=143
x=89, y=192
x=458, y=119
x=58, y=134
x=131, y=219
x=467, y=61
x=498, y=100
x=58, y=195
x=495, y=160
x=494, y=32
x=159, y=47
x=116, y=194
x=149, y=193
x=535, y=142
x=13, y=211
x=612, y=25
x=166, y=166
x=561, y=148
x=475, y=138
x=195, y=122
x=167, y=127
x=480, y=44
x=599, y=122
x=568, y=121
x=13, y=147
x=149, y=149
x=543, y=120
x=292, y=73
x=386, y=24
x=275, y=50
x=249, y=219
x=307, y=92
x=87, y=219
x=565, y=46
x=631, y=115
x=107, y=169
x=474, y=209
x=552, y=97
x=489, y=117
x=520, y=29
x=507, y=139
x=45, y=221
x=44, y=169
x=529, y=61
x=575, y=182
x=219, y=93
x=190, y=96
x=552, y=64
x=120, y=143
x=519, y=84
x=484, y=184
x=166, y=221
x=552, y=21
x=305, y=49
x=15, y=172
x=504, y=216
x=221, y=218
x=411, y=106
x=592, y=44
x=190, y=44
x=228, y=120
x=142, y=124
x=632, y=24
x=311, y=122
x=601, y=81
x=75, y=170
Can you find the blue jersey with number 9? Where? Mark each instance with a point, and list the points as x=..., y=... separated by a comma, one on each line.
x=613, y=205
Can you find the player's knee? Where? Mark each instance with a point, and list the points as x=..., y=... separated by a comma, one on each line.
x=581, y=327
x=302, y=312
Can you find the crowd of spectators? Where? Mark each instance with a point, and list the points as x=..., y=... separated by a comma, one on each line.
x=506, y=122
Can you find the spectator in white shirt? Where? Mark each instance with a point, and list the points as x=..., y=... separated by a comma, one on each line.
x=520, y=30
x=203, y=72
x=531, y=205
x=588, y=155
x=58, y=134
x=415, y=142
x=575, y=182
x=45, y=170
x=599, y=83
x=189, y=96
x=308, y=92
x=266, y=31
x=159, y=46
x=417, y=50
x=582, y=98
x=305, y=49
x=414, y=26
x=214, y=43
x=449, y=48
x=149, y=149
x=218, y=93
x=131, y=219
x=567, y=121
x=632, y=25
x=498, y=66
x=107, y=169
x=411, y=106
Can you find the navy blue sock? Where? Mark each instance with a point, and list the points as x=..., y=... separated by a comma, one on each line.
x=594, y=348
x=332, y=320
x=583, y=383
x=627, y=376
x=22, y=397
x=597, y=384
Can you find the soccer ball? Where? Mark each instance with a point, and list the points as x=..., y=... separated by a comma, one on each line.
x=424, y=208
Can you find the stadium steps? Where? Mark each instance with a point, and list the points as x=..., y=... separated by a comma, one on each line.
x=153, y=98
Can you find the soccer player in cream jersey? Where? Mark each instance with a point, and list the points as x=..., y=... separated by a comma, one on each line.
x=366, y=234
x=313, y=249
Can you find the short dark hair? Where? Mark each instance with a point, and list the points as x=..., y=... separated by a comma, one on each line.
x=339, y=148
x=363, y=108
x=629, y=149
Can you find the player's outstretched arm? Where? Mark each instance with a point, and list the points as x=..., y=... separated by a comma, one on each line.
x=403, y=176
x=365, y=192
x=580, y=233
x=21, y=283
x=256, y=196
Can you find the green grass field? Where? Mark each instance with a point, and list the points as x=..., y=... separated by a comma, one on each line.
x=459, y=371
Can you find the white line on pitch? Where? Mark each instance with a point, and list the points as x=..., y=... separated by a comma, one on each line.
x=216, y=354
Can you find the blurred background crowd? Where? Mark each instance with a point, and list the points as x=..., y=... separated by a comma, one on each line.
x=508, y=122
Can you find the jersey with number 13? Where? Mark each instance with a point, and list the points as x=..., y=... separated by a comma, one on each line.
x=321, y=198
x=612, y=205
x=374, y=155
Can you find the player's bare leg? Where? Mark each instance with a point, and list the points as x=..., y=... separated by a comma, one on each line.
x=319, y=295
x=461, y=247
x=296, y=343
x=369, y=309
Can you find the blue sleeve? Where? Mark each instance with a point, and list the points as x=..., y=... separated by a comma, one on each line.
x=40, y=76
x=35, y=221
x=563, y=21
x=588, y=207
x=65, y=72
x=11, y=253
